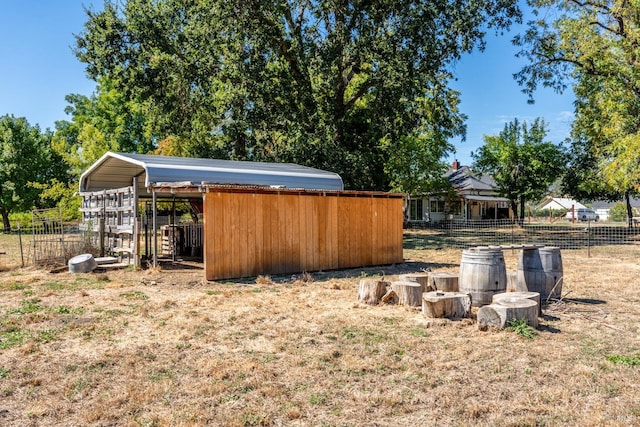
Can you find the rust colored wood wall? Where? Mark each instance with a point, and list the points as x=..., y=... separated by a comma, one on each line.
x=248, y=233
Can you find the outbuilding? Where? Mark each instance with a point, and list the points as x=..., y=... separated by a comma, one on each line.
x=258, y=218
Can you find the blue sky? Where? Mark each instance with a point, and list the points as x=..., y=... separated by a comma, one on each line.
x=38, y=69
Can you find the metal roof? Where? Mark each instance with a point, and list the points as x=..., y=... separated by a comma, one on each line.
x=114, y=170
x=464, y=179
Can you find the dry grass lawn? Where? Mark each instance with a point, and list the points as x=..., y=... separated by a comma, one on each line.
x=164, y=348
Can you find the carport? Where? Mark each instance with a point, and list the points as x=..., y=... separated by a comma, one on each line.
x=258, y=218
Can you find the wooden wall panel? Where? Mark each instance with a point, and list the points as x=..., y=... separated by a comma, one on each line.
x=250, y=233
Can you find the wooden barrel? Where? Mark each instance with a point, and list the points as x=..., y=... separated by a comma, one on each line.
x=552, y=267
x=482, y=274
x=540, y=270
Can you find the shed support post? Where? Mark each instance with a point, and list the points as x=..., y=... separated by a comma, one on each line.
x=174, y=228
x=154, y=226
x=135, y=225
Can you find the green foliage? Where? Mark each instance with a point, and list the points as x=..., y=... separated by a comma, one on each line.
x=348, y=87
x=31, y=305
x=12, y=338
x=134, y=295
x=26, y=162
x=625, y=360
x=618, y=212
x=522, y=164
x=522, y=328
x=593, y=45
x=105, y=121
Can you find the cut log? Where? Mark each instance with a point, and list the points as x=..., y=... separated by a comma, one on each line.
x=390, y=297
x=371, y=291
x=446, y=282
x=422, y=278
x=452, y=305
x=409, y=293
x=499, y=315
x=514, y=284
x=533, y=296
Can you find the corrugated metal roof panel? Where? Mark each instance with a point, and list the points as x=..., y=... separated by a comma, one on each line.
x=118, y=169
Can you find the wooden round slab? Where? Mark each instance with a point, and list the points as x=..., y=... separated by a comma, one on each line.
x=452, y=305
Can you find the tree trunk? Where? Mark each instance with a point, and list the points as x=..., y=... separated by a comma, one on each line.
x=422, y=278
x=371, y=291
x=451, y=305
x=409, y=293
x=627, y=198
x=514, y=209
x=5, y=219
x=521, y=210
x=499, y=315
x=508, y=296
x=446, y=282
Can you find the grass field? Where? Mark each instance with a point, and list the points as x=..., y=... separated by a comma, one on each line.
x=161, y=347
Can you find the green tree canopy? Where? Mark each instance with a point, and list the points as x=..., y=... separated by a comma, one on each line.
x=594, y=46
x=105, y=121
x=338, y=85
x=522, y=164
x=26, y=160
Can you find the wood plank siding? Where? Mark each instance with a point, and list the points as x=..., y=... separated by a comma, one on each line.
x=250, y=232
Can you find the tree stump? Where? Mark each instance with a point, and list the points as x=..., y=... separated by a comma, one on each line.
x=514, y=284
x=499, y=315
x=390, y=297
x=371, y=291
x=452, y=305
x=422, y=278
x=446, y=282
x=409, y=293
x=533, y=296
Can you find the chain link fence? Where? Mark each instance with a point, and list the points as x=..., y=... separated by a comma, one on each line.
x=466, y=234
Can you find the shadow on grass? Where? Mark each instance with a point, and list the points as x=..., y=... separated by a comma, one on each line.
x=586, y=301
x=353, y=273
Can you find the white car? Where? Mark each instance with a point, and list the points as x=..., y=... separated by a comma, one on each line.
x=583, y=214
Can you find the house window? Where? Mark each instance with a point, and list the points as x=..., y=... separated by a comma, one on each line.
x=415, y=210
x=437, y=206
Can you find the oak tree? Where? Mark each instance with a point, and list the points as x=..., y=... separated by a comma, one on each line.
x=338, y=85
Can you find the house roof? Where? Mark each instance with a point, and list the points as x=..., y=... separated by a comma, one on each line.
x=465, y=179
x=563, y=202
x=600, y=204
x=115, y=170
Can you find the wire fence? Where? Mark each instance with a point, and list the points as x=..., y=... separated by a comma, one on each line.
x=47, y=246
x=466, y=234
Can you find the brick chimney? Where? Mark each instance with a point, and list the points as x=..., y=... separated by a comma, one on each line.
x=455, y=165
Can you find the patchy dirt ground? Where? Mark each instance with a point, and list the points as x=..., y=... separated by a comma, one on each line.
x=162, y=347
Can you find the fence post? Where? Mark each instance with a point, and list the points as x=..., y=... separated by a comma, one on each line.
x=589, y=238
x=101, y=235
x=21, y=251
x=512, y=233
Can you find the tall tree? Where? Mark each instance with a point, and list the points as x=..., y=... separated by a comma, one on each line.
x=337, y=85
x=26, y=159
x=594, y=46
x=104, y=121
x=521, y=162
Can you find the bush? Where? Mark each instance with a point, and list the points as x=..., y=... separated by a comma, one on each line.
x=618, y=212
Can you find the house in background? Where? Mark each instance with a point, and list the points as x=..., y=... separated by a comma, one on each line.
x=558, y=203
x=475, y=199
x=602, y=208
